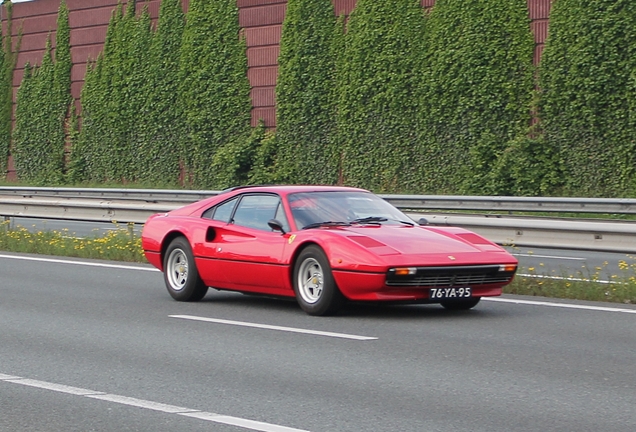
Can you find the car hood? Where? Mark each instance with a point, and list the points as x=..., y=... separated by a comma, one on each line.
x=404, y=240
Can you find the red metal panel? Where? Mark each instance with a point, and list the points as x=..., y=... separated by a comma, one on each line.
x=428, y=3
x=262, y=15
x=88, y=35
x=17, y=77
x=11, y=174
x=85, y=53
x=32, y=57
x=538, y=51
x=539, y=9
x=258, y=36
x=262, y=76
x=268, y=115
x=35, y=8
x=263, y=56
x=343, y=6
x=153, y=8
x=89, y=4
x=77, y=72
x=36, y=24
x=36, y=41
x=90, y=17
x=76, y=89
x=263, y=97
x=540, y=30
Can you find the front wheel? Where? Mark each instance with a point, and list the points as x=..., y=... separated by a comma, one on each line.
x=180, y=272
x=314, y=285
x=463, y=304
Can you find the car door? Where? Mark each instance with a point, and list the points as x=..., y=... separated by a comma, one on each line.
x=247, y=252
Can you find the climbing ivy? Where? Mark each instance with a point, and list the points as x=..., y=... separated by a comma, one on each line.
x=114, y=96
x=214, y=89
x=36, y=155
x=8, y=57
x=305, y=97
x=160, y=153
x=379, y=93
x=477, y=90
x=587, y=95
x=42, y=108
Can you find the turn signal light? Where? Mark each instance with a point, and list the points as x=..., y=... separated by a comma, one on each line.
x=507, y=268
x=405, y=271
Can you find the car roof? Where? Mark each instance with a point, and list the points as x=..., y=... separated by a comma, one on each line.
x=287, y=189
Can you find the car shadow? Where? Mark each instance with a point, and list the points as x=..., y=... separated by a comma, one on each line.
x=351, y=309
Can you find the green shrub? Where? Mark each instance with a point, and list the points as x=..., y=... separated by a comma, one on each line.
x=114, y=97
x=478, y=84
x=379, y=93
x=8, y=58
x=587, y=100
x=214, y=90
x=92, y=156
x=160, y=153
x=38, y=138
x=527, y=167
x=305, y=97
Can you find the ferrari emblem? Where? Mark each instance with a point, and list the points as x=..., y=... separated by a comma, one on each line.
x=291, y=238
x=452, y=258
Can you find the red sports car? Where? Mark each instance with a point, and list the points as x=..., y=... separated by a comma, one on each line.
x=323, y=245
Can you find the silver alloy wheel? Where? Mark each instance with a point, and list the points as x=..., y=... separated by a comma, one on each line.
x=310, y=280
x=177, y=269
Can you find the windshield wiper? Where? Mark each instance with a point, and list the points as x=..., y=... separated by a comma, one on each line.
x=404, y=222
x=325, y=224
x=370, y=219
x=378, y=219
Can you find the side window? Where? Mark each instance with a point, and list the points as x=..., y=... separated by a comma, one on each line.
x=222, y=212
x=254, y=211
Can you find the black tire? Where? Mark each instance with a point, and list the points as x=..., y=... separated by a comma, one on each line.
x=180, y=272
x=314, y=285
x=463, y=304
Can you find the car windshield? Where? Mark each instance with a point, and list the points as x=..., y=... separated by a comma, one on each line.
x=336, y=208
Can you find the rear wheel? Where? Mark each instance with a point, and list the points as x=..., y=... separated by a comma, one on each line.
x=463, y=304
x=180, y=272
x=314, y=285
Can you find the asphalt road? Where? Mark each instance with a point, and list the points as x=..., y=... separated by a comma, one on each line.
x=104, y=348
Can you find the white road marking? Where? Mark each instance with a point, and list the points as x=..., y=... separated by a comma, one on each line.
x=150, y=405
x=560, y=305
x=566, y=278
x=550, y=257
x=54, y=387
x=273, y=327
x=140, y=403
x=235, y=421
x=84, y=263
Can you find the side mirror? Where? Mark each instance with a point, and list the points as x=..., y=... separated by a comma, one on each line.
x=422, y=221
x=276, y=225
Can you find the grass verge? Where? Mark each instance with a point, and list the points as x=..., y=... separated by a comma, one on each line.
x=123, y=244
x=120, y=244
x=597, y=284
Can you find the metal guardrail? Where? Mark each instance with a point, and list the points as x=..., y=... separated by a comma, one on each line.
x=135, y=205
x=414, y=202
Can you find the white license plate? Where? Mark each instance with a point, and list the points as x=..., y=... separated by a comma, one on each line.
x=449, y=293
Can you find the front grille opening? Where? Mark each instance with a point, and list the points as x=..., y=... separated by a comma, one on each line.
x=460, y=276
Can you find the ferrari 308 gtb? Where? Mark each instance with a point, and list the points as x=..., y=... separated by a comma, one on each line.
x=322, y=245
